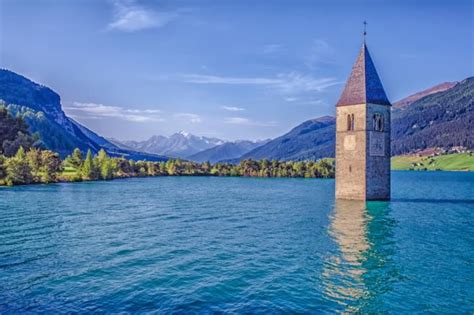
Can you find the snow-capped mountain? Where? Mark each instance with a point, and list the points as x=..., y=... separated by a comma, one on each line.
x=181, y=144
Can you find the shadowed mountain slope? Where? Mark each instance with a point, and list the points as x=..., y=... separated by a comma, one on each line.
x=41, y=109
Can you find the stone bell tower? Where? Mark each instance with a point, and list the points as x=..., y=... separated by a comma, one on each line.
x=363, y=135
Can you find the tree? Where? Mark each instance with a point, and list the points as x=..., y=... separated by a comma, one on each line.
x=88, y=170
x=171, y=167
x=3, y=171
x=206, y=167
x=107, y=169
x=104, y=165
x=50, y=166
x=75, y=159
x=18, y=169
x=123, y=166
x=33, y=156
x=102, y=156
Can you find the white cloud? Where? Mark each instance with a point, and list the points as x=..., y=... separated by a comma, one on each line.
x=130, y=16
x=292, y=82
x=192, y=118
x=98, y=111
x=291, y=99
x=248, y=122
x=233, y=108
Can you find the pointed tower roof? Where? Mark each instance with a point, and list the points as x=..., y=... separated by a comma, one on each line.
x=363, y=85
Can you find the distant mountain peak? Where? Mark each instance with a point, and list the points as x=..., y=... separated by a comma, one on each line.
x=184, y=133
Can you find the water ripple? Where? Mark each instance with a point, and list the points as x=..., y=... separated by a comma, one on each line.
x=236, y=245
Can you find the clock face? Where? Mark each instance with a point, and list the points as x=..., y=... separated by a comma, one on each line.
x=349, y=142
x=377, y=144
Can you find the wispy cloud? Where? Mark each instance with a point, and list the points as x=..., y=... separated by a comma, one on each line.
x=99, y=111
x=292, y=82
x=298, y=101
x=192, y=118
x=248, y=122
x=316, y=102
x=320, y=52
x=233, y=108
x=213, y=79
x=130, y=16
x=272, y=48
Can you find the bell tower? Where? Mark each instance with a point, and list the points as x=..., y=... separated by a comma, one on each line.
x=363, y=134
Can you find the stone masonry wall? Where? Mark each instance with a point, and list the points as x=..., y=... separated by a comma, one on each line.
x=350, y=153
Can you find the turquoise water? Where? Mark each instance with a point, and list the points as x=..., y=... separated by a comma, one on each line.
x=245, y=245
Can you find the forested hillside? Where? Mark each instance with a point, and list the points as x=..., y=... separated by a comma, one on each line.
x=312, y=140
x=443, y=119
x=13, y=133
x=226, y=151
x=415, y=97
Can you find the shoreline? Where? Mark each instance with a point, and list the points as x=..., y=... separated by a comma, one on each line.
x=62, y=181
x=161, y=176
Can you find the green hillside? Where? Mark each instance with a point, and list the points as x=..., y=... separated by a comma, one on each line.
x=447, y=162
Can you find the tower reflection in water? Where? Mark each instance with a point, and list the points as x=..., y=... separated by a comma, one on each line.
x=360, y=272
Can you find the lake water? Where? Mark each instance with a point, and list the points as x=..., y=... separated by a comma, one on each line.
x=204, y=244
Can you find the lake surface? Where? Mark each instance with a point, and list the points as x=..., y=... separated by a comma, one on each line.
x=204, y=244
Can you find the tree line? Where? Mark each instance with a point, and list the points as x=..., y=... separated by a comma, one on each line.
x=23, y=161
x=44, y=166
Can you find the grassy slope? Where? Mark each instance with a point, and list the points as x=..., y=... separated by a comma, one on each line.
x=448, y=162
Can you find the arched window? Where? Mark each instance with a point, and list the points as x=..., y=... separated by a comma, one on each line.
x=378, y=122
x=350, y=122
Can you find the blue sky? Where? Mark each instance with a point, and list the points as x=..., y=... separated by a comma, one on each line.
x=229, y=69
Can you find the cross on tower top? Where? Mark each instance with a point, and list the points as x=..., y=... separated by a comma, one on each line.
x=365, y=29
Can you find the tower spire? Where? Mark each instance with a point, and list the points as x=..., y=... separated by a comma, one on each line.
x=364, y=85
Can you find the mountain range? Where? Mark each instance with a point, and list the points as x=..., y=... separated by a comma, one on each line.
x=441, y=116
x=179, y=145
